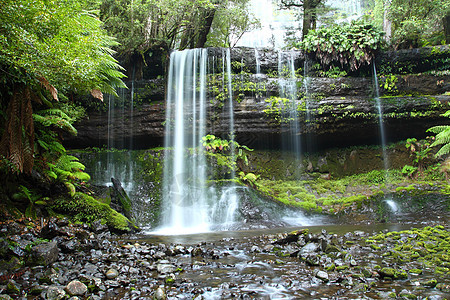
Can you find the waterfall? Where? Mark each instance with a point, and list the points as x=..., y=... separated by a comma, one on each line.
x=258, y=63
x=307, y=99
x=230, y=105
x=258, y=74
x=184, y=191
x=189, y=204
x=108, y=169
x=288, y=90
x=380, y=118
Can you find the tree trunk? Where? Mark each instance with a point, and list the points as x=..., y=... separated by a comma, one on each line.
x=204, y=30
x=446, y=21
x=309, y=15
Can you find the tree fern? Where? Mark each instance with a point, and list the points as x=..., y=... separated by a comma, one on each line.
x=442, y=137
x=69, y=171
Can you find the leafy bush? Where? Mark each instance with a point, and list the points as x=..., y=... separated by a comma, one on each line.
x=353, y=44
x=442, y=137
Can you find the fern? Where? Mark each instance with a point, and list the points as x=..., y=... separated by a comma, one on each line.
x=442, y=137
x=55, y=118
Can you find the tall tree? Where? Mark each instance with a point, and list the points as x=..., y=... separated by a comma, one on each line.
x=231, y=21
x=309, y=9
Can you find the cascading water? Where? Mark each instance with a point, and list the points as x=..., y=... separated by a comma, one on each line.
x=307, y=99
x=189, y=204
x=184, y=190
x=116, y=118
x=288, y=90
x=258, y=74
x=380, y=118
x=391, y=203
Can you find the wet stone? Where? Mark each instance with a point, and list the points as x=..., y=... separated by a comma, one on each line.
x=309, y=248
x=322, y=275
x=53, y=293
x=165, y=268
x=45, y=253
x=76, y=288
x=160, y=294
x=112, y=273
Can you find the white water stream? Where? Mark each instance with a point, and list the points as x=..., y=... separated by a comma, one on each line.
x=190, y=205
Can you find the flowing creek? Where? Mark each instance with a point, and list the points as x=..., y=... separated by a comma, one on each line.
x=252, y=265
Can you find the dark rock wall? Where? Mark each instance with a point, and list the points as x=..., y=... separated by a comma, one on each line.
x=343, y=110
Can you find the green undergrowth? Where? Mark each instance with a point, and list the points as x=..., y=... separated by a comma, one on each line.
x=335, y=195
x=429, y=246
x=84, y=208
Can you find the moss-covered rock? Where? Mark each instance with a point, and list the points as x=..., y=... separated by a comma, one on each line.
x=85, y=208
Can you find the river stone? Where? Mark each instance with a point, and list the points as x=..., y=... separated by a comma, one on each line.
x=112, y=273
x=322, y=275
x=160, y=294
x=165, y=268
x=387, y=272
x=53, y=293
x=309, y=248
x=69, y=246
x=76, y=288
x=45, y=253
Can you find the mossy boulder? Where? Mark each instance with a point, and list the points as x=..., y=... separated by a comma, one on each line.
x=84, y=208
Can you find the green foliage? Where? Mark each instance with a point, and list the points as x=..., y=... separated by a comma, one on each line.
x=409, y=170
x=415, y=22
x=420, y=151
x=31, y=197
x=232, y=19
x=84, y=208
x=333, y=72
x=140, y=26
x=278, y=109
x=213, y=143
x=228, y=153
x=47, y=49
x=353, y=44
x=248, y=178
x=442, y=138
x=390, y=84
x=56, y=119
x=58, y=41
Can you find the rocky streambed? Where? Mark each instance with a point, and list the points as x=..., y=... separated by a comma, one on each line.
x=58, y=260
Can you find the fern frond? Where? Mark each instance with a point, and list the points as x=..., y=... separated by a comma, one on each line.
x=438, y=129
x=442, y=138
x=444, y=150
x=71, y=188
x=82, y=176
x=55, y=117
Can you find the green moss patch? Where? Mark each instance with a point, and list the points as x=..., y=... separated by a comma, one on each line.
x=429, y=246
x=84, y=208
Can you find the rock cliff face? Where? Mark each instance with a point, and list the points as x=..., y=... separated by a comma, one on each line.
x=341, y=111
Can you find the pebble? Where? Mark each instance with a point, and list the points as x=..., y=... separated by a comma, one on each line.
x=76, y=288
x=112, y=274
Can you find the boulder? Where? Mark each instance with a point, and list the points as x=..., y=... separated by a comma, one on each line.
x=45, y=253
